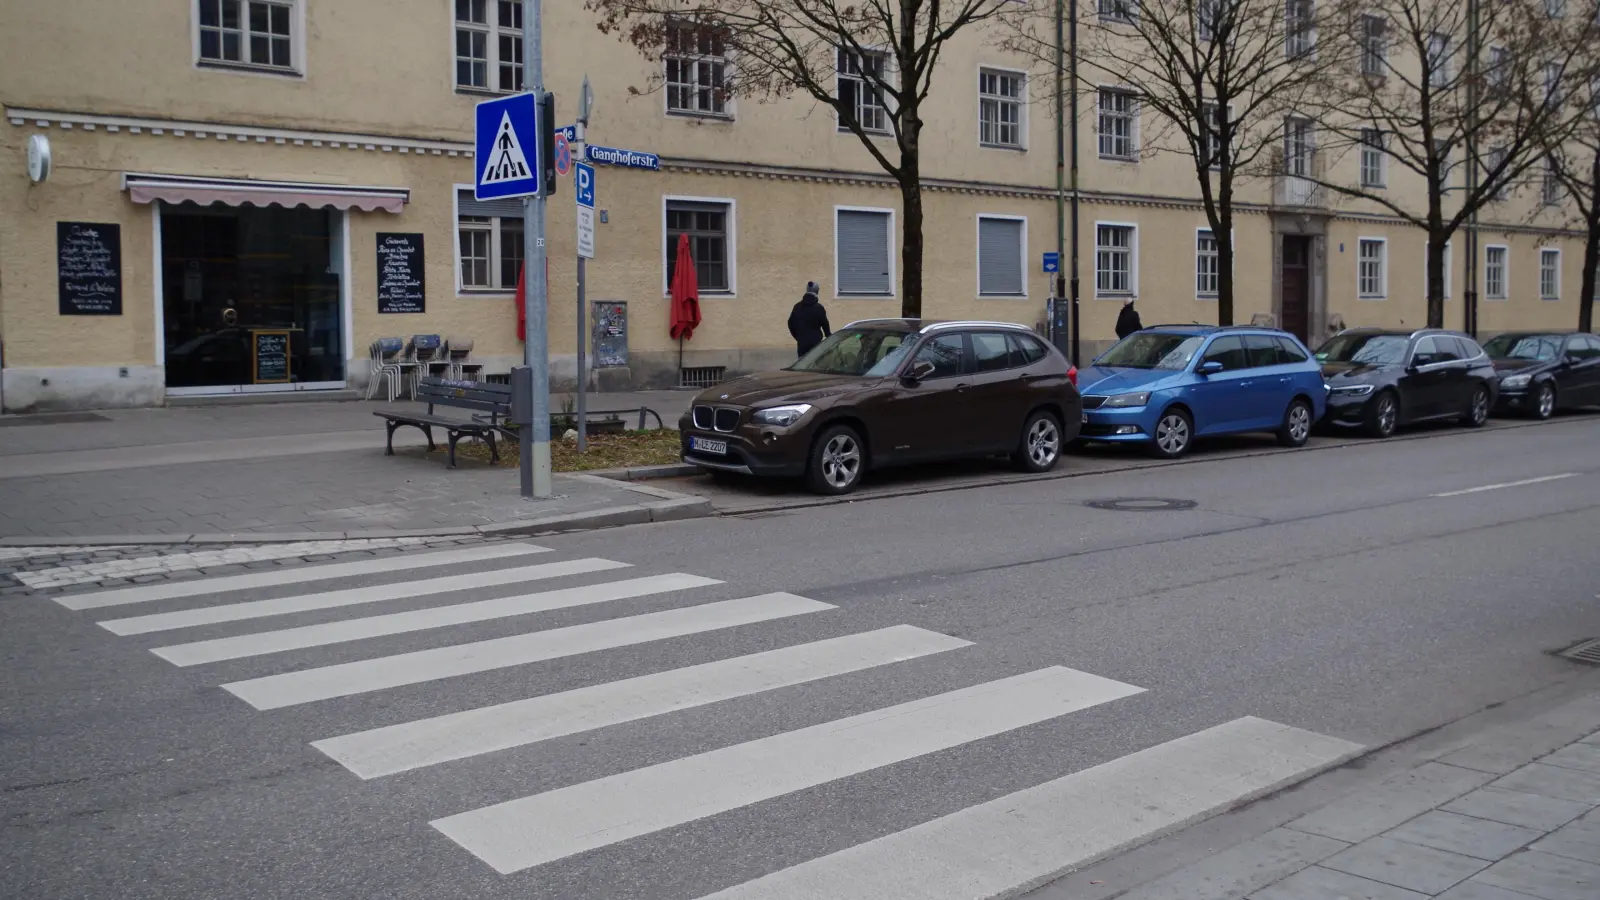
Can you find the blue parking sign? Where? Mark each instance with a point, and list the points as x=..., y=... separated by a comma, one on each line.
x=1052, y=261
x=507, y=146
x=585, y=185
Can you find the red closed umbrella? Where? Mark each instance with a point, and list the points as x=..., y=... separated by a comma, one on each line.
x=685, y=293
x=522, y=297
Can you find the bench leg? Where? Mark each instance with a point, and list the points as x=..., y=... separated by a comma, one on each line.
x=454, y=437
x=389, y=450
x=494, y=449
x=426, y=430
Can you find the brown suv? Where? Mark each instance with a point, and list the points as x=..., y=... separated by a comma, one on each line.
x=886, y=392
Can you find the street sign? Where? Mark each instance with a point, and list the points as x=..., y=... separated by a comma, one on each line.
x=506, y=156
x=1052, y=262
x=632, y=159
x=584, y=192
x=563, y=155
x=571, y=131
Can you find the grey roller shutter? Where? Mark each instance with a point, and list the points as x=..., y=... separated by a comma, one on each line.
x=1000, y=257
x=863, y=253
x=509, y=208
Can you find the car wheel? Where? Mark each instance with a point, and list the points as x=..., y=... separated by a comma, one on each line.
x=1039, y=448
x=1544, y=402
x=1296, y=427
x=1477, y=409
x=837, y=461
x=1383, y=415
x=1174, y=434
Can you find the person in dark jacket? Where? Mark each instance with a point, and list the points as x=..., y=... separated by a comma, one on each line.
x=808, y=321
x=1128, y=320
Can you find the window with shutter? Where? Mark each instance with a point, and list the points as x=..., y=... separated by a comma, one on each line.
x=1000, y=257
x=861, y=253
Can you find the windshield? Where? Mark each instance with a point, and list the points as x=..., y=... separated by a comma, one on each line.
x=857, y=351
x=1152, y=350
x=1542, y=347
x=1368, y=349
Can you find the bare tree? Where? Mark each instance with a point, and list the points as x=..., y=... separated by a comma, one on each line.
x=871, y=61
x=1417, y=99
x=1574, y=165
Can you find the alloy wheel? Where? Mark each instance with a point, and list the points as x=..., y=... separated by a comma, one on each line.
x=1172, y=434
x=841, y=461
x=1299, y=423
x=1044, y=442
x=1386, y=414
x=1547, y=401
x=1480, y=407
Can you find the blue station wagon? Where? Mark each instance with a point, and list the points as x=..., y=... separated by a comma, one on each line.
x=1169, y=384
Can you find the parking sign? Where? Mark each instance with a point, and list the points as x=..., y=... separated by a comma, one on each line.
x=583, y=179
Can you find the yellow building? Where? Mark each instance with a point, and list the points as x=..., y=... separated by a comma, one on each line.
x=262, y=160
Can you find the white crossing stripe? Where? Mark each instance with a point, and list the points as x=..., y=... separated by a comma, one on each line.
x=278, y=606
x=239, y=646
x=348, y=679
x=170, y=590
x=1017, y=842
x=412, y=745
x=530, y=831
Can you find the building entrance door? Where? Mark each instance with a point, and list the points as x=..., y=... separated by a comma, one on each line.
x=1296, y=290
x=251, y=299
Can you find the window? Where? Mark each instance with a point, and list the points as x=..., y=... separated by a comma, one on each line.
x=1208, y=18
x=1119, y=10
x=1493, y=163
x=1549, y=274
x=1494, y=273
x=1374, y=52
x=991, y=352
x=1555, y=9
x=708, y=225
x=1550, y=185
x=1290, y=352
x=860, y=91
x=1448, y=256
x=861, y=253
x=1000, y=109
x=1001, y=244
x=947, y=354
x=1438, y=59
x=1299, y=33
x=1228, y=350
x=1205, y=264
x=489, y=241
x=1372, y=155
x=489, y=48
x=1552, y=82
x=1113, y=260
x=1370, y=266
x=1213, y=126
x=248, y=32
x=1498, y=74
x=697, y=69
x=1029, y=348
x=1119, y=116
x=1583, y=347
x=1297, y=146
x=1264, y=350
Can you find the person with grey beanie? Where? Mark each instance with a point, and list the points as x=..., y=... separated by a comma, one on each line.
x=808, y=321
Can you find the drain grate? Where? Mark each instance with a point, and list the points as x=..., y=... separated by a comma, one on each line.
x=702, y=376
x=1141, y=504
x=1584, y=651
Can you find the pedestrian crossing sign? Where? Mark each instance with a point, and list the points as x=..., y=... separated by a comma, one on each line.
x=506, y=156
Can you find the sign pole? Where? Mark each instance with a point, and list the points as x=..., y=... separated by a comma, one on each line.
x=585, y=98
x=535, y=441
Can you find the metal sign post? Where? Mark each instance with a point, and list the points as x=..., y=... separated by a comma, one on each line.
x=536, y=352
x=584, y=192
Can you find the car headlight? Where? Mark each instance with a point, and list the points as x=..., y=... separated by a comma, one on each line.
x=1352, y=390
x=781, y=415
x=1123, y=401
x=1515, y=382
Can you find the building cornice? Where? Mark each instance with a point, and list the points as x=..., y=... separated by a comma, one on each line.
x=239, y=133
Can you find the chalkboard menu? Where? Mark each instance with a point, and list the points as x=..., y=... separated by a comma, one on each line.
x=89, y=268
x=400, y=268
x=269, y=352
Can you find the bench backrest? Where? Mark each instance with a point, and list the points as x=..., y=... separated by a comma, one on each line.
x=475, y=395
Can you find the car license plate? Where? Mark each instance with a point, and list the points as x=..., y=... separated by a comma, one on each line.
x=708, y=446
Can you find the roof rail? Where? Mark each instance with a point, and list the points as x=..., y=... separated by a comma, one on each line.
x=972, y=323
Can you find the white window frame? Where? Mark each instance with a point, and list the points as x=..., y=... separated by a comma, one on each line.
x=1216, y=254
x=693, y=59
x=1381, y=53
x=462, y=290
x=1497, y=70
x=1206, y=12
x=732, y=293
x=1494, y=158
x=892, y=246
x=1555, y=9
x=491, y=47
x=1449, y=260
x=1553, y=72
x=1550, y=187
x=886, y=101
x=1021, y=102
x=1133, y=260
x=1438, y=47
x=978, y=250
x=1132, y=117
x=1124, y=11
x=1505, y=272
x=1379, y=159
x=1555, y=293
x=1292, y=48
x=1383, y=268
x=1213, y=133
x=297, y=44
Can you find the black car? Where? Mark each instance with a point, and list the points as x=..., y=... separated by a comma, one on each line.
x=1379, y=380
x=1542, y=371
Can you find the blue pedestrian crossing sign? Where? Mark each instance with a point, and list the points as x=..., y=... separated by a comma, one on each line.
x=1052, y=261
x=506, y=152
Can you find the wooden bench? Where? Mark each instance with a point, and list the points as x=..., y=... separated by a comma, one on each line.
x=494, y=399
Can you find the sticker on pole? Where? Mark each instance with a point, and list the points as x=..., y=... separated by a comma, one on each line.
x=506, y=153
x=584, y=180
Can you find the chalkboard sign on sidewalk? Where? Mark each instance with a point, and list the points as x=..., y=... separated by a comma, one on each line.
x=89, y=268
x=400, y=270
x=269, y=352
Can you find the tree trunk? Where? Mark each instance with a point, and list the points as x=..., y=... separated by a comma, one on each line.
x=911, y=234
x=1591, y=249
x=1436, y=276
x=1224, y=235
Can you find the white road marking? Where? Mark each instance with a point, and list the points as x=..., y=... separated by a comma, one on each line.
x=1508, y=484
x=1015, y=843
x=530, y=831
x=240, y=646
x=278, y=606
x=426, y=742
x=272, y=577
x=99, y=570
x=348, y=679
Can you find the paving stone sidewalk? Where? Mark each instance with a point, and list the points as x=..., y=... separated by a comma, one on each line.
x=1508, y=817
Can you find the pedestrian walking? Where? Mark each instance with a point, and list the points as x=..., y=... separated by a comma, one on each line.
x=1128, y=320
x=808, y=321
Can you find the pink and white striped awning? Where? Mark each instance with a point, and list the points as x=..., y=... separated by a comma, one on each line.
x=249, y=192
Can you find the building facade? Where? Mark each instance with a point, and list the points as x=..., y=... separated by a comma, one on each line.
x=234, y=182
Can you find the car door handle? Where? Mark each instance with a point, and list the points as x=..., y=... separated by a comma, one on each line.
x=1243, y=384
x=961, y=387
x=1284, y=379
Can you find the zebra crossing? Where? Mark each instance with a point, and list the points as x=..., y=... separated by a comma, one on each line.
x=991, y=849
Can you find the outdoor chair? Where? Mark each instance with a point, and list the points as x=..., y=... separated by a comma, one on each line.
x=432, y=356
x=462, y=368
x=390, y=362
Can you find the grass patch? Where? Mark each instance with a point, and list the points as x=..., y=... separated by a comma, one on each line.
x=656, y=447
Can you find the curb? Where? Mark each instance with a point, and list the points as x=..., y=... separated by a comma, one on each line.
x=644, y=473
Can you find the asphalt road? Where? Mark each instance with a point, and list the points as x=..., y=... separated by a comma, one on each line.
x=1362, y=592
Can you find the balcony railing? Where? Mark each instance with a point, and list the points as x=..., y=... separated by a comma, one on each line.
x=1299, y=191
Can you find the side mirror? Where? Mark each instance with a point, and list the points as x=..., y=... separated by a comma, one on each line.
x=1209, y=368
x=919, y=370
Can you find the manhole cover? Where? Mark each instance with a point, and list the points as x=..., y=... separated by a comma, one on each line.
x=1141, y=504
x=1584, y=652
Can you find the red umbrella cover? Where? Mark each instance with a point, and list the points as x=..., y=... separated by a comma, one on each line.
x=685, y=293
x=522, y=298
